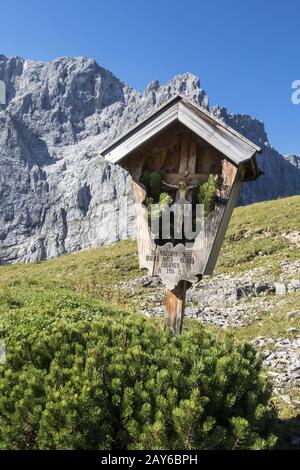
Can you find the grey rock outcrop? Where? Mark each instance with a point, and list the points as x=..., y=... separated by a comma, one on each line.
x=293, y=159
x=57, y=195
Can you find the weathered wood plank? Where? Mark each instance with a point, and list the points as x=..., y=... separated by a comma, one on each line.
x=236, y=149
x=184, y=153
x=177, y=177
x=175, y=305
x=145, y=244
x=230, y=194
x=192, y=157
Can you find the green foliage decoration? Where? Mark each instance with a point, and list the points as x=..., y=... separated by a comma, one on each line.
x=207, y=193
x=157, y=209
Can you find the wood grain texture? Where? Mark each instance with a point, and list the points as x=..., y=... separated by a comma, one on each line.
x=184, y=153
x=175, y=305
x=146, y=245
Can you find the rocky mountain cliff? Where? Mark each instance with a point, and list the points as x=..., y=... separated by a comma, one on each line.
x=57, y=195
x=293, y=159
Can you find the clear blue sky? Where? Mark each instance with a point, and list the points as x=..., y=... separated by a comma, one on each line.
x=246, y=52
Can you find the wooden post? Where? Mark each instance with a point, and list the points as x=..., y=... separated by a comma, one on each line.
x=175, y=305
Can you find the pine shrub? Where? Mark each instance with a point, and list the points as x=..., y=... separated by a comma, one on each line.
x=207, y=193
x=90, y=380
x=156, y=209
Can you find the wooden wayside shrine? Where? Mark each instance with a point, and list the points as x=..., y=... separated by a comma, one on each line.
x=181, y=154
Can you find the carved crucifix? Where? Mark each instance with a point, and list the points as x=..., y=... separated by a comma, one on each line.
x=183, y=181
x=183, y=190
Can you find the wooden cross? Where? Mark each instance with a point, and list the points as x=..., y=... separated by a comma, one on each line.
x=183, y=181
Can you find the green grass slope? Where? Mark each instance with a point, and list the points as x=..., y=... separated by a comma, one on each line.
x=257, y=237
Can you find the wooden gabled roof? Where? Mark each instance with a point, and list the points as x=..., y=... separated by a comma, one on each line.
x=228, y=141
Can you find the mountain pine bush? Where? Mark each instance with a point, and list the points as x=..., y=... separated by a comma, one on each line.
x=207, y=193
x=90, y=380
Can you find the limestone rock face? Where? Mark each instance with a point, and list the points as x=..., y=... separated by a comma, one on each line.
x=57, y=194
